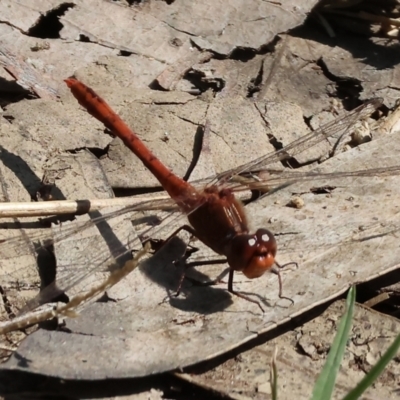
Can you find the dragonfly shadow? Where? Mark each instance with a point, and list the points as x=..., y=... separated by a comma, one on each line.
x=161, y=270
x=17, y=225
x=23, y=362
x=55, y=289
x=116, y=248
x=261, y=299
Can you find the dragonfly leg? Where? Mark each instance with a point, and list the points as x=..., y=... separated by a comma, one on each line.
x=189, y=229
x=294, y=263
x=213, y=282
x=277, y=270
x=192, y=232
x=196, y=282
x=238, y=294
x=186, y=228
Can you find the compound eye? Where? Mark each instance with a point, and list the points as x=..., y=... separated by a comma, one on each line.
x=266, y=238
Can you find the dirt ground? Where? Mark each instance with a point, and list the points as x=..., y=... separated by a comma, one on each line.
x=208, y=86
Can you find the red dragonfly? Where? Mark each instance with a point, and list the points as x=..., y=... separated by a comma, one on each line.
x=228, y=234
x=216, y=217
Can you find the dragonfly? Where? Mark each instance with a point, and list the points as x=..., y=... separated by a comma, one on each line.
x=216, y=217
x=227, y=230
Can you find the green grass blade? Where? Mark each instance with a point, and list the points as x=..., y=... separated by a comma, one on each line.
x=274, y=376
x=376, y=370
x=325, y=383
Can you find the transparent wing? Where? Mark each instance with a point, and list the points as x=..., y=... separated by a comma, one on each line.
x=84, y=247
x=337, y=127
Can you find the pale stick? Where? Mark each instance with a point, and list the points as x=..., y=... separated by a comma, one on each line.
x=58, y=207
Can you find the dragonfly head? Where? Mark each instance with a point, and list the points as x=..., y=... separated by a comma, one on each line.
x=253, y=254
